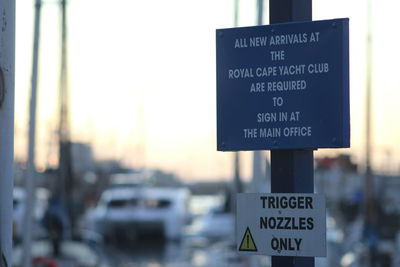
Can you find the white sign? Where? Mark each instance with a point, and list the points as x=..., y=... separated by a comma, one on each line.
x=281, y=224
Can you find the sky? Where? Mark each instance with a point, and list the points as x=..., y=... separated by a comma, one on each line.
x=143, y=84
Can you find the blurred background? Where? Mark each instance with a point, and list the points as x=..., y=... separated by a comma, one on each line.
x=122, y=167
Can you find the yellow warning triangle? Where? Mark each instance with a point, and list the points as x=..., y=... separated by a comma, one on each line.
x=247, y=243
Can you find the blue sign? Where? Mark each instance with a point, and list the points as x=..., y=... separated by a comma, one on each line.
x=283, y=86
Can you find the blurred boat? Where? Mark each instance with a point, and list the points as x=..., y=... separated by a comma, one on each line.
x=217, y=224
x=126, y=211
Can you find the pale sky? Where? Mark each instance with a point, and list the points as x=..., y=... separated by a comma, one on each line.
x=143, y=86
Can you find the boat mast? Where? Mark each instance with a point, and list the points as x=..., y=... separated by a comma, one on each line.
x=31, y=171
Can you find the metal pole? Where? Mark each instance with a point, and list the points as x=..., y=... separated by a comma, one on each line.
x=257, y=155
x=260, y=11
x=30, y=172
x=370, y=213
x=236, y=13
x=368, y=93
x=63, y=130
x=7, y=60
x=65, y=185
x=237, y=184
x=292, y=171
x=257, y=170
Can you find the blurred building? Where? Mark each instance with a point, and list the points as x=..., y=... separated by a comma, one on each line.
x=343, y=186
x=82, y=158
x=342, y=162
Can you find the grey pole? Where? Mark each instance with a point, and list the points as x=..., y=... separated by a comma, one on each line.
x=237, y=185
x=236, y=13
x=30, y=172
x=260, y=12
x=257, y=155
x=7, y=60
x=370, y=217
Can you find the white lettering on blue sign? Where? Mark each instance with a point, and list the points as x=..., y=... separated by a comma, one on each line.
x=285, y=75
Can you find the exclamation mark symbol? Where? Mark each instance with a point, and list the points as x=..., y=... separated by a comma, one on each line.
x=247, y=243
